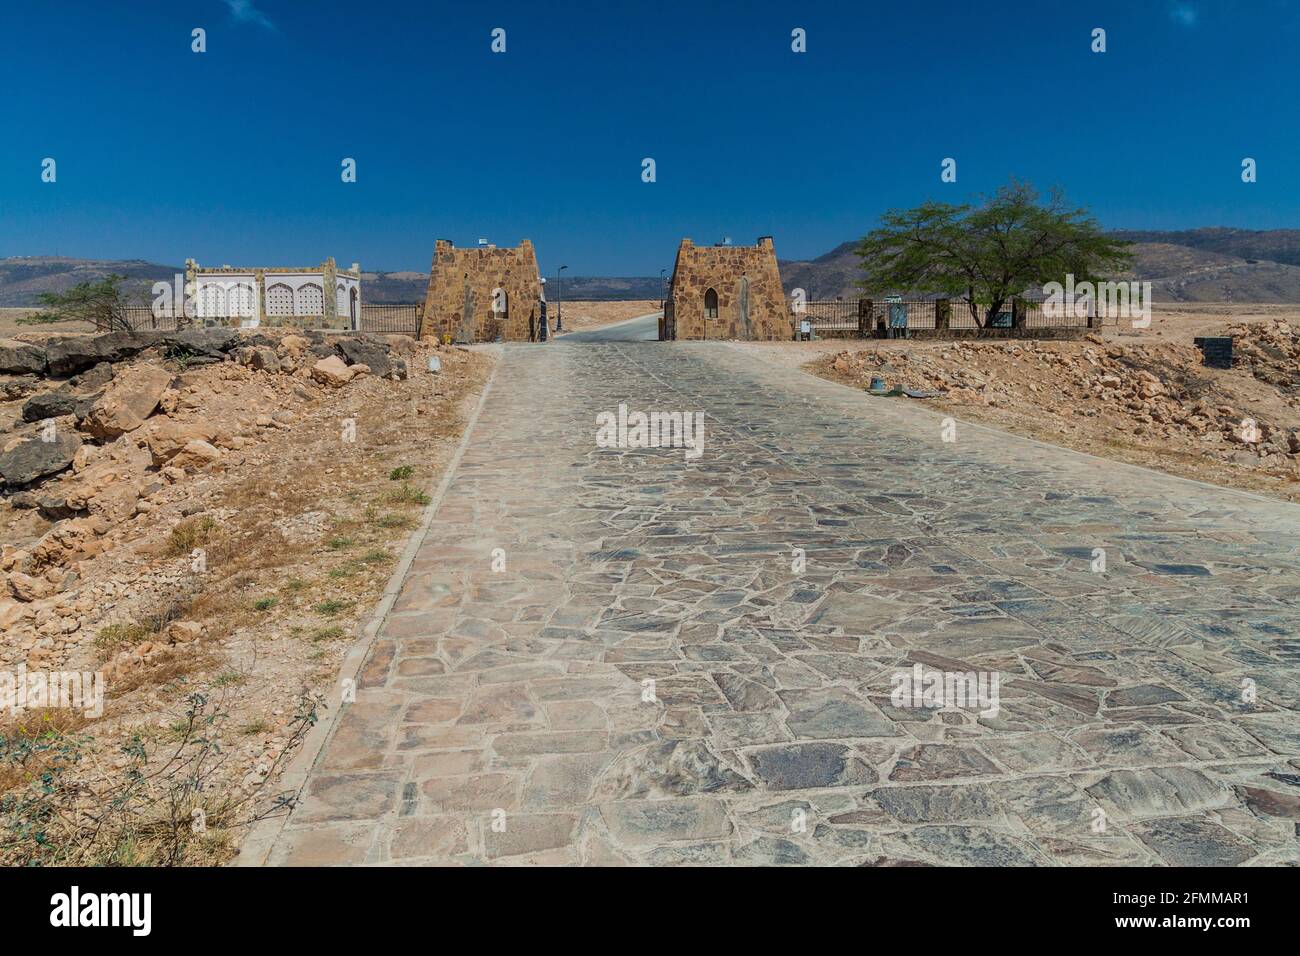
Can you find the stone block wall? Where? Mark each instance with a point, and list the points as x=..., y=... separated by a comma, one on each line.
x=746, y=282
x=462, y=283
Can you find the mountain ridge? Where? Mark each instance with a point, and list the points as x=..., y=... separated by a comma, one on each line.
x=1211, y=264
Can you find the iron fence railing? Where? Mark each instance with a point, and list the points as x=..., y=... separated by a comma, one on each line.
x=144, y=318
x=829, y=314
x=393, y=317
x=884, y=318
x=402, y=317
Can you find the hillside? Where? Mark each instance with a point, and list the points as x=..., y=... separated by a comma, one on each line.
x=1273, y=245
x=23, y=278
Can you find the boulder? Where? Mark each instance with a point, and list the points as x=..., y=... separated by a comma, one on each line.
x=120, y=462
x=52, y=507
x=183, y=632
x=117, y=502
x=97, y=376
x=165, y=437
x=11, y=612
x=26, y=588
x=56, y=508
x=201, y=344
x=57, y=403
x=264, y=360
x=14, y=387
x=196, y=454
x=76, y=353
x=21, y=358
x=331, y=371
x=127, y=402
x=364, y=351
x=33, y=458
x=293, y=344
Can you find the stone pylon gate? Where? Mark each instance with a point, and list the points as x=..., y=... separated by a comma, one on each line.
x=727, y=292
x=480, y=293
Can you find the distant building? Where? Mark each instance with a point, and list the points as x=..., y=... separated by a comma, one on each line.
x=726, y=292
x=480, y=293
x=325, y=297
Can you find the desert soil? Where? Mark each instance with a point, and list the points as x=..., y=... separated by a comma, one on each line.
x=298, y=525
x=584, y=316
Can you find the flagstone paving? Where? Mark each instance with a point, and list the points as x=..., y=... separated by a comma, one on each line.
x=654, y=679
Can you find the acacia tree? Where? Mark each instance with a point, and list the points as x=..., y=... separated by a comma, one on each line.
x=101, y=303
x=987, y=253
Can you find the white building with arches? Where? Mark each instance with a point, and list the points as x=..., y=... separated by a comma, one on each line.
x=325, y=297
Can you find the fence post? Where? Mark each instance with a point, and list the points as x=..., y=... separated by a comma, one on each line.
x=864, y=318
x=1017, y=312
x=942, y=312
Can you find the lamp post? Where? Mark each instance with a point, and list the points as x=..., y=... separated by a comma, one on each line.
x=559, y=307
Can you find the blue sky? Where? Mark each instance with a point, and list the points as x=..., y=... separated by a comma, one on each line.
x=546, y=140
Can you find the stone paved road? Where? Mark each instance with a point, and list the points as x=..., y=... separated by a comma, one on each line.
x=516, y=697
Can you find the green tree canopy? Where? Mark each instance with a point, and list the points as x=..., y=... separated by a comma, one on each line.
x=988, y=253
x=100, y=302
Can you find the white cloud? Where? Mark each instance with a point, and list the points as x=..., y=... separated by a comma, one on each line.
x=243, y=11
x=1184, y=14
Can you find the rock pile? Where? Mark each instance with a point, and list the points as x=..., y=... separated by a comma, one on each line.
x=1148, y=392
x=108, y=423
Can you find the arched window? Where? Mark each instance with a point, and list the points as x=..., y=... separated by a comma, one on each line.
x=279, y=299
x=711, y=304
x=212, y=301
x=311, y=299
x=239, y=300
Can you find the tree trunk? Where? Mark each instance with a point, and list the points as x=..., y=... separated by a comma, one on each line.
x=994, y=308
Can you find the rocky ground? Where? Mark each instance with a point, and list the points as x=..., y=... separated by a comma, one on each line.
x=1146, y=400
x=209, y=515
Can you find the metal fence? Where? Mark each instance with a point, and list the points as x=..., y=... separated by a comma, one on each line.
x=392, y=317
x=403, y=317
x=830, y=314
x=142, y=317
x=881, y=318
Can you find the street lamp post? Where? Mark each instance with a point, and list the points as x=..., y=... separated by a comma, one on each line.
x=559, y=306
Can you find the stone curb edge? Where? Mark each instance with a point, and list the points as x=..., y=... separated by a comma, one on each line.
x=257, y=845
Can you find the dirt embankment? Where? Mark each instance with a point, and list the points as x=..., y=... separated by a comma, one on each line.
x=1144, y=401
x=224, y=521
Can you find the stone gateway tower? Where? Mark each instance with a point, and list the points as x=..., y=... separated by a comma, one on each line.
x=480, y=293
x=726, y=292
